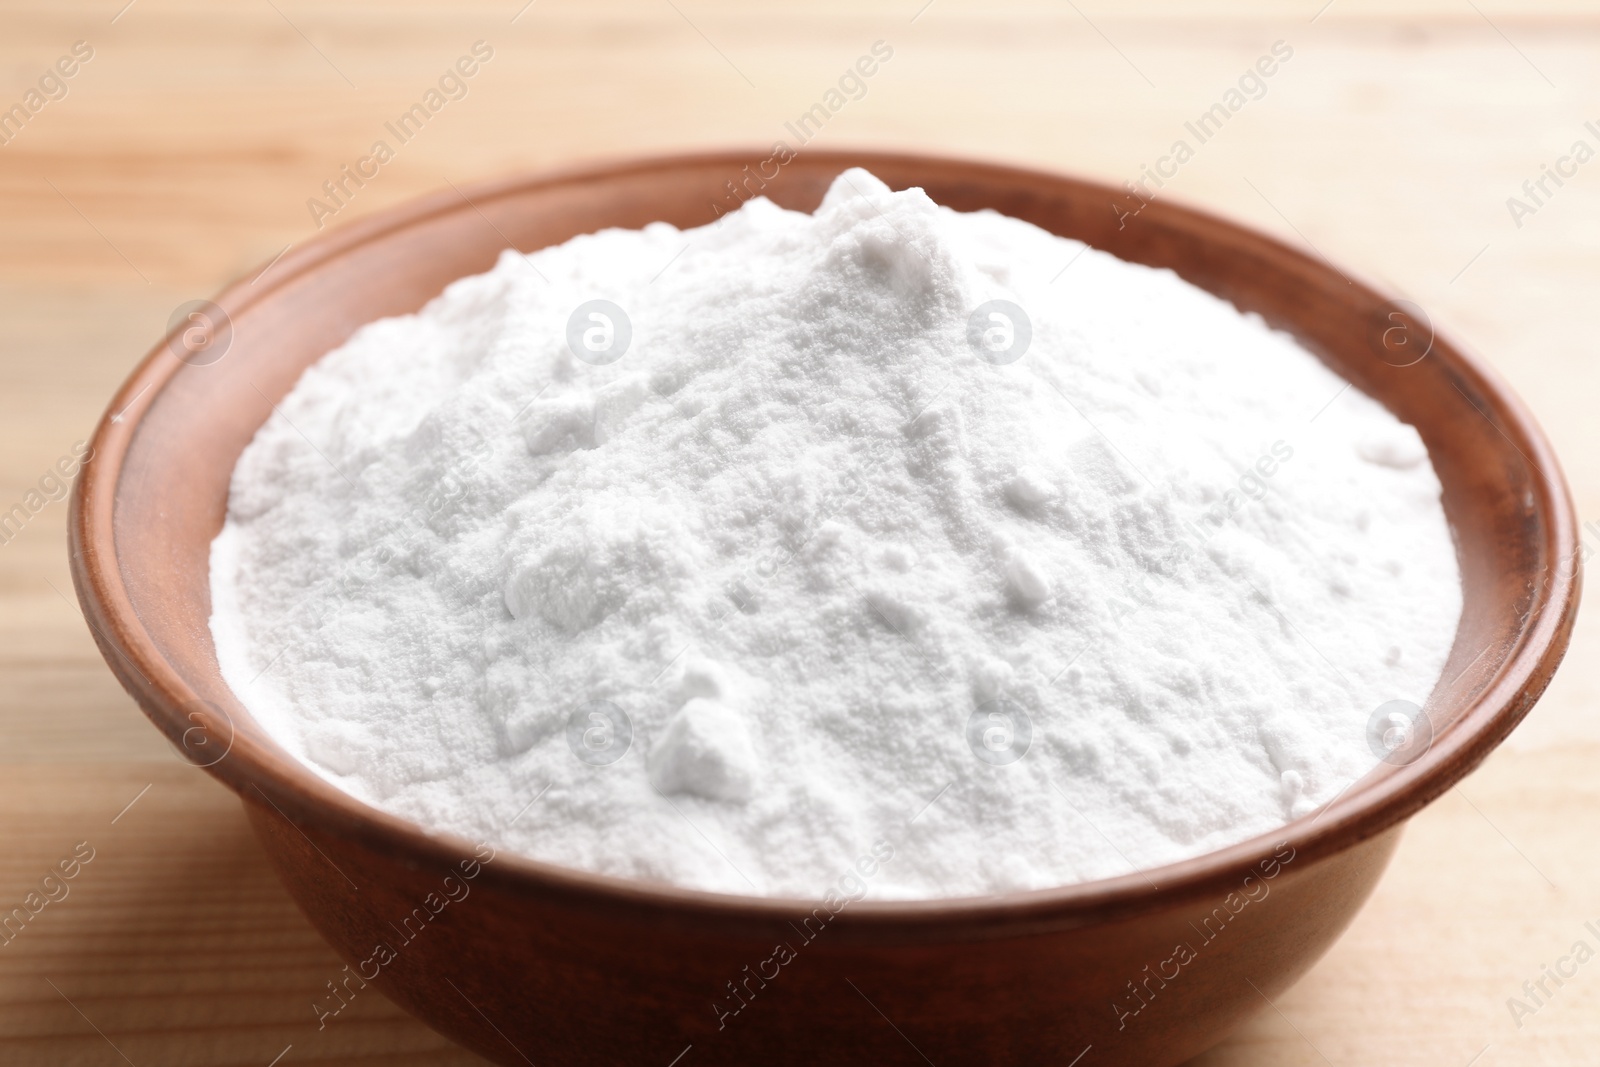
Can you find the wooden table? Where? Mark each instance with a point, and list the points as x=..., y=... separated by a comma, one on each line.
x=184, y=152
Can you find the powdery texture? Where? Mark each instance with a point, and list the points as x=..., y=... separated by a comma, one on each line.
x=801, y=532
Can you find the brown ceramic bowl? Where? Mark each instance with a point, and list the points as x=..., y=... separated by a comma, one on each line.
x=548, y=965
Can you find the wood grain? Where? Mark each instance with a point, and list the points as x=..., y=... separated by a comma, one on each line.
x=183, y=156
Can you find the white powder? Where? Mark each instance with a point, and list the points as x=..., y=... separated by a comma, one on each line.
x=805, y=558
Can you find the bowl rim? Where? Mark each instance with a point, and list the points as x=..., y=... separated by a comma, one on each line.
x=1366, y=808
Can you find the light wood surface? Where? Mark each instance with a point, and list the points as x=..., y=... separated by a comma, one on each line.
x=183, y=155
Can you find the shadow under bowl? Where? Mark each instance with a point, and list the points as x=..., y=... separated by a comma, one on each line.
x=540, y=963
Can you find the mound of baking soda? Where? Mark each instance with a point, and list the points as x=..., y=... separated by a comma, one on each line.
x=723, y=556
